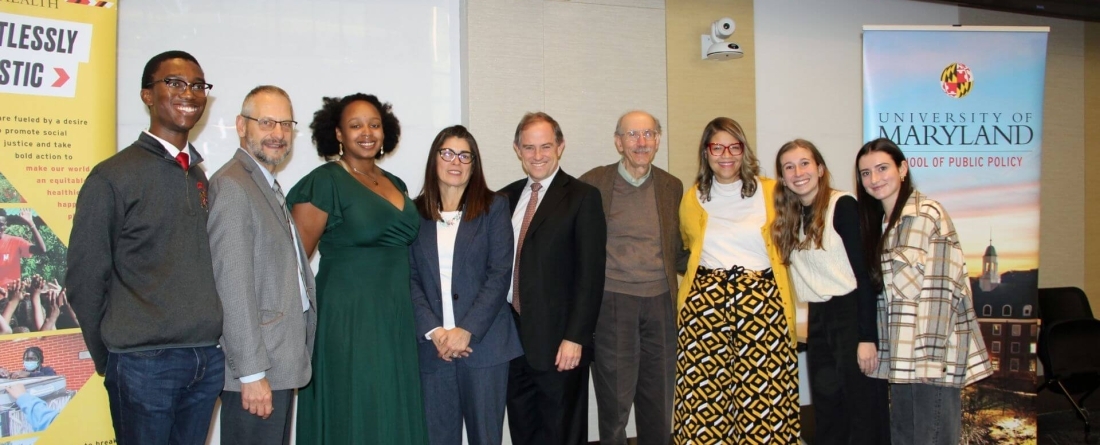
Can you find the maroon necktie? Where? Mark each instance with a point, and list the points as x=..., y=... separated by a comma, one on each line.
x=527, y=215
x=182, y=159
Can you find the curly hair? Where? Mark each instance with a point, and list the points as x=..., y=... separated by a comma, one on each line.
x=37, y=353
x=327, y=120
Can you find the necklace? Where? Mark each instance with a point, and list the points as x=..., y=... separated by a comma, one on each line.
x=451, y=221
x=370, y=177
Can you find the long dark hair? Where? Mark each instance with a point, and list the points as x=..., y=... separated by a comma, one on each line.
x=476, y=199
x=750, y=166
x=871, y=210
x=788, y=208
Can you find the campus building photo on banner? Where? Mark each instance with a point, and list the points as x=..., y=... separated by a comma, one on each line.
x=965, y=105
x=57, y=86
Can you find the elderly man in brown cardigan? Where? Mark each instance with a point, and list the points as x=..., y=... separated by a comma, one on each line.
x=635, y=338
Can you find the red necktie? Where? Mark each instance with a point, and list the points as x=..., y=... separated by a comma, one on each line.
x=527, y=215
x=182, y=159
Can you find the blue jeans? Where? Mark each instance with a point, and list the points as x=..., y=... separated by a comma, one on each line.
x=925, y=414
x=164, y=396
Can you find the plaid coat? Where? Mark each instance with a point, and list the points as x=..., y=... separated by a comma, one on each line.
x=926, y=313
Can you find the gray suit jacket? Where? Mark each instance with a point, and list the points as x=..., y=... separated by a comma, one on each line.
x=668, y=190
x=482, y=272
x=257, y=279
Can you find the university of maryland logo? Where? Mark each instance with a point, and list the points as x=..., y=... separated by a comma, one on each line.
x=956, y=80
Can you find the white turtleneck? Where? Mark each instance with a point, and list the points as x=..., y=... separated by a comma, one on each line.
x=733, y=235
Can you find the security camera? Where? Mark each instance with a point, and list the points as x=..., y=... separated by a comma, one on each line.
x=715, y=46
x=723, y=28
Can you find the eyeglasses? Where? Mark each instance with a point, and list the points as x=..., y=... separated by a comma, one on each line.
x=734, y=149
x=448, y=155
x=648, y=135
x=269, y=124
x=178, y=85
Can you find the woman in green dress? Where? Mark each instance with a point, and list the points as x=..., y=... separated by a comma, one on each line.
x=365, y=386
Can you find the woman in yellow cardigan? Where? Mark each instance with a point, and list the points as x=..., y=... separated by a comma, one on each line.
x=736, y=363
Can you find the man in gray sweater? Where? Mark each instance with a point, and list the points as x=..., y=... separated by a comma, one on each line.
x=140, y=277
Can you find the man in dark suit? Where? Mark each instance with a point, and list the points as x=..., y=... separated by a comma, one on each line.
x=635, y=339
x=558, y=282
x=262, y=276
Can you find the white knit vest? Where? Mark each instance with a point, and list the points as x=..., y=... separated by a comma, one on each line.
x=820, y=274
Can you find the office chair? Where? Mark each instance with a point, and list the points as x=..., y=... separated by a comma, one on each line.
x=1069, y=347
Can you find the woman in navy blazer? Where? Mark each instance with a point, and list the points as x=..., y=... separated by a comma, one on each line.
x=461, y=267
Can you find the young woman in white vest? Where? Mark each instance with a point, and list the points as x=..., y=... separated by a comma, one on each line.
x=816, y=230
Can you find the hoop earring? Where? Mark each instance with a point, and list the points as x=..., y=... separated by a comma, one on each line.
x=341, y=148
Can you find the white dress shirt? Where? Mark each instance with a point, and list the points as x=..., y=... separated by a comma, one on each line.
x=521, y=208
x=174, y=151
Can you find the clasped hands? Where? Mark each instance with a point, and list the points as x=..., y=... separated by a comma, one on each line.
x=451, y=343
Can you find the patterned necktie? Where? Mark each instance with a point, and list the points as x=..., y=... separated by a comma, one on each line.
x=182, y=159
x=281, y=199
x=527, y=215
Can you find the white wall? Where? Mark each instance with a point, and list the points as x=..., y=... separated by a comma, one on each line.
x=809, y=73
x=406, y=53
x=584, y=62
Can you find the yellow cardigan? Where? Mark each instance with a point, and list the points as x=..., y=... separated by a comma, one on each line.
x=693, y=224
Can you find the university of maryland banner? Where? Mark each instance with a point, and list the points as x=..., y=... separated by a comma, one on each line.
x=57, y=87
x=965, y=104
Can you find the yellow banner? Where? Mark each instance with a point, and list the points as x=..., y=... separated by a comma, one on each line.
x=57, y=120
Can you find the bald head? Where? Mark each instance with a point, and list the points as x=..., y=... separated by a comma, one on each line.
x=637, y=139
x=249, y=104
x=638, y=114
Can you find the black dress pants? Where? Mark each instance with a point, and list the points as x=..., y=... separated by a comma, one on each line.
x=548, y=407
x=849, y=407
x=242, y=427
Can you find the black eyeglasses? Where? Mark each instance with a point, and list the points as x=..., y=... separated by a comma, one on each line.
x=448, y=155
x=179, y=85
x=716, y=149
x=269, y=124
